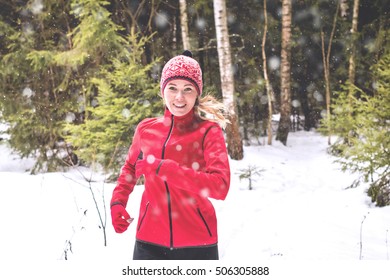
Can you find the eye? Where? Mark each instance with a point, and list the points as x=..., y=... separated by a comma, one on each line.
x=188, y=89
x=172, y=88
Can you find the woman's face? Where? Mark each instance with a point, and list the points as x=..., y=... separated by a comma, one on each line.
x=180, y=97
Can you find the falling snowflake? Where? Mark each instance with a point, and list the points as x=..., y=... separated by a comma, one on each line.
x=150, y=159
x=318, y=96
x=295, y=103
x=161, y=20
x=195, y=166
x=126, y=113
x=274, y=63
x=70, y=117
x=28, y=92
x=37, y=7
x=201, y=24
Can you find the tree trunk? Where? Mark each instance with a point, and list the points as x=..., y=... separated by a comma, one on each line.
x=326, y=62
x=267, y=84
x=352, y=58
x=352, y=66
x=344, y=8
x=285, y=69
x=184, y=25
x=234, y=141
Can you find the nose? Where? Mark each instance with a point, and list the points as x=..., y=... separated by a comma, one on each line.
x=179, y=95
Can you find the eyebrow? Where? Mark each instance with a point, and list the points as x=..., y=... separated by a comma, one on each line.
x=186, y=85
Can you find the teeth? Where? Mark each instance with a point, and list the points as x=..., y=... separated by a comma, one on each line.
x=180, y=106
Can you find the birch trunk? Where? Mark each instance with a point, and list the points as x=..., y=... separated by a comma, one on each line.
x=352, y=62
x=234, y=141
x=352, y=58
x=184, y=25
x=285, y=69
x=343, y=8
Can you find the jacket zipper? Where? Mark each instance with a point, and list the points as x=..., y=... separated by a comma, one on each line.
x=167, y=188
x=205, y=223
x=143, y=217
x=169, y=216
x=166, y=140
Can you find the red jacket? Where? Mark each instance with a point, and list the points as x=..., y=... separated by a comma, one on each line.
x=175, y=210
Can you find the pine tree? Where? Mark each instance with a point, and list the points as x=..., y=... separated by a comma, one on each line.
x=32, y=102
x=362, y=123
x=125, y=94
x=118, y=90
x=68, y=58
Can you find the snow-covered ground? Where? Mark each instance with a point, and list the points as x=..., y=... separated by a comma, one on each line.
x=299, y=211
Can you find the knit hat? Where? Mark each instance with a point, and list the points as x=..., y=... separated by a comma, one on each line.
x=182, y=67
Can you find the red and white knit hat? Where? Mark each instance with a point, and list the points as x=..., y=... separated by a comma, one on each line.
x=182, y=67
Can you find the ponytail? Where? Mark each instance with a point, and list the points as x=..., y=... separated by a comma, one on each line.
x=209, y=108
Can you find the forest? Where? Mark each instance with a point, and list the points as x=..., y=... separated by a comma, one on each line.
x=78, y=76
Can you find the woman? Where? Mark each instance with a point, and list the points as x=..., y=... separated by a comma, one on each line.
x=184, y=160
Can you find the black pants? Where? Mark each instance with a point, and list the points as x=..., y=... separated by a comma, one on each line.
x=144, y=251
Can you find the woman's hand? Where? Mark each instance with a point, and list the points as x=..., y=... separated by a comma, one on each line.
x=120, y=218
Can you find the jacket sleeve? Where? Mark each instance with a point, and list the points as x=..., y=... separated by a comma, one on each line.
x=127, y=178
x=214, y=180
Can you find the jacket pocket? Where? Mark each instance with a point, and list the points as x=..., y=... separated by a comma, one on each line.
x=204, y=222
x=143, y=216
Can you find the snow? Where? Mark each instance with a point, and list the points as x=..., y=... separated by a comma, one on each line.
x=300, y=211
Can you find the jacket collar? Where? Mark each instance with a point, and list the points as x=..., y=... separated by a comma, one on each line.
x=188, y=121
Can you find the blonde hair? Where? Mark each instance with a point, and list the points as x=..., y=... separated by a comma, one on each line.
x=210, y=109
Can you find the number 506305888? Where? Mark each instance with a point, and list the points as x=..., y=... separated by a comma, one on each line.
x=236, y=270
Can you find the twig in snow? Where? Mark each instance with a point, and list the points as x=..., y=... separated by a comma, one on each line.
x=361, y=236
x=68, y=243
x=103, y=220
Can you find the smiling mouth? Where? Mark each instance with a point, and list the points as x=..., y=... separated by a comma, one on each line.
x=179, y=106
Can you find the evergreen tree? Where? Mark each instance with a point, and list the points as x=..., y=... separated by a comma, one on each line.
x=54, y=55
x=125, y=94
x=32, y=101
x=362, y=123
x=118, y=90
x=57, y=59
